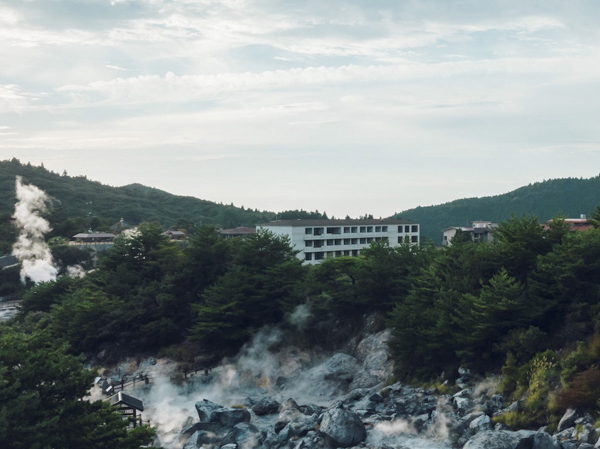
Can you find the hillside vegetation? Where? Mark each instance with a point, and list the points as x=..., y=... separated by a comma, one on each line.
x=570, y=196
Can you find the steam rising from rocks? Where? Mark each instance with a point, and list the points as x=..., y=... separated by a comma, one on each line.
x=30, y=248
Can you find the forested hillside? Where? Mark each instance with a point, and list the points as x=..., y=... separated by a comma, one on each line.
x=78, y=204
x=570, y=196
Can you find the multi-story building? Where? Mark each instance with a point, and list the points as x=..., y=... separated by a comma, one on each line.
x=319, y=239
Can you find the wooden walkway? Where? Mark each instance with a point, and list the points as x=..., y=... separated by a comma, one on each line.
x=8, y=305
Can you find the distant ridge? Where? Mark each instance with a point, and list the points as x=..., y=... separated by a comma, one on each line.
x=79, y=203
x=569, y=196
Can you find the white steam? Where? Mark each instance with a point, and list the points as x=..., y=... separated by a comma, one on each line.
x=30, y=247
x=76, y=271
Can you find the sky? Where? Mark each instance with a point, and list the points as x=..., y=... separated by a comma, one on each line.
x=348, y=107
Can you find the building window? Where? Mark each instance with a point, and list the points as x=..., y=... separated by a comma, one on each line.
x=347, y=230
x=407, y=228
x=318, y=256
x=330, y=242
x=338, y=241
x=346, y=241
x=414, y=239
x=308, y=231
x=318, y=244
x=338, y=253
x=385, y=239
x=384, y=229
x=377, y=228
x=415, y=228
x=363, y=241
x=308, y=243
x=355, y=252
x=377, y=239
x=307, y=256
x=369, y=228
x=334, y=230
x=400, y=239
x=354, y=241
x=369, y=239
x=318, y=231
x=353, y=229
x=363, y=229
x=346, y=252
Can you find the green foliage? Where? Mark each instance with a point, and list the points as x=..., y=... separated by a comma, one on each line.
x=260, y=286
x=571, y=196
x=41, y=406
x=79, y=204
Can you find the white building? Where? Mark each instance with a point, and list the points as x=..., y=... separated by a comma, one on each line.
x=480, y=232
x=320, y=239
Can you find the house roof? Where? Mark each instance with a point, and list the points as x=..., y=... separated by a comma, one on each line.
x=241, y=230
x=98, y=235
x=122, y=398
x=462, y=228
x=174, y=233
x=8, y=261
x=349, y=222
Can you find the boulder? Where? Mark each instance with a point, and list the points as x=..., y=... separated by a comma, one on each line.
x=244, y=435
x=344, y=428
x=266, y=406
x=501, y=439
x=543, y=440
x=229, y=417
x=567, y=420
x=341, y=367
x=209, y=412
x=206, y=409
x=480, y=424
x=495, y=404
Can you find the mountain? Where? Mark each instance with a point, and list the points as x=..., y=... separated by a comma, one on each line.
x=570, y=196
x=78, y=203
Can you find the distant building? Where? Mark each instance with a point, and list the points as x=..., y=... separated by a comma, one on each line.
x=239, y=232
x=576, y=224
x=480, y=232
x=175, y=235
x=320, y=239
x=93, y=240
x=8, y=262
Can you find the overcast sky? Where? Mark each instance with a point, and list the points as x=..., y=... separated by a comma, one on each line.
x=348, y=107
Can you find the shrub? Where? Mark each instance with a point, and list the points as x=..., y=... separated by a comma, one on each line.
x=583, y=392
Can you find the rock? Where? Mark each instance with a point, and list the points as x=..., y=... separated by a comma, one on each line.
x=585, y=446
x=543, y=440
x=565, y=434
x=229, y=417
x=297, y=428
x=495, y=403
x=229, y=446
x=214, y=413
x=341, y=367
x=289, y=404
x=480, y=424
x=568, y=445
x=462, y=405
x=466, y=420
x=206, y=409
x=376, y=397
x=244, y=435
x=502, y=439
x=587, y=434
x=567, y=420
x=188, y=431
x=266, y=406
x=201, y=437
x=343, y=427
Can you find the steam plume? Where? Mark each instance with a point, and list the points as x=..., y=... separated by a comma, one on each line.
x=30, y=248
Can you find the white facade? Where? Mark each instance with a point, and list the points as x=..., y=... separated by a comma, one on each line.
x=319, y=239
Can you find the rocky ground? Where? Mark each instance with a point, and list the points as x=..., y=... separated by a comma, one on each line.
x=290, y=400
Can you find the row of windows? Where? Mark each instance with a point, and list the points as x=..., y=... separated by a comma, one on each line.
x=355, y=229
x=333, y=242
x=322, y=255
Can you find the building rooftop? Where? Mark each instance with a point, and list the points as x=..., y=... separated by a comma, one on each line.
x=125, y=399
x=98, y=235
x=345, y=222
x=241, y=230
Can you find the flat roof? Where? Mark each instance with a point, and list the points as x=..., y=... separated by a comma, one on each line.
x=122, y=398
x=349, y=222
x=93, y=235
x=241, y=230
